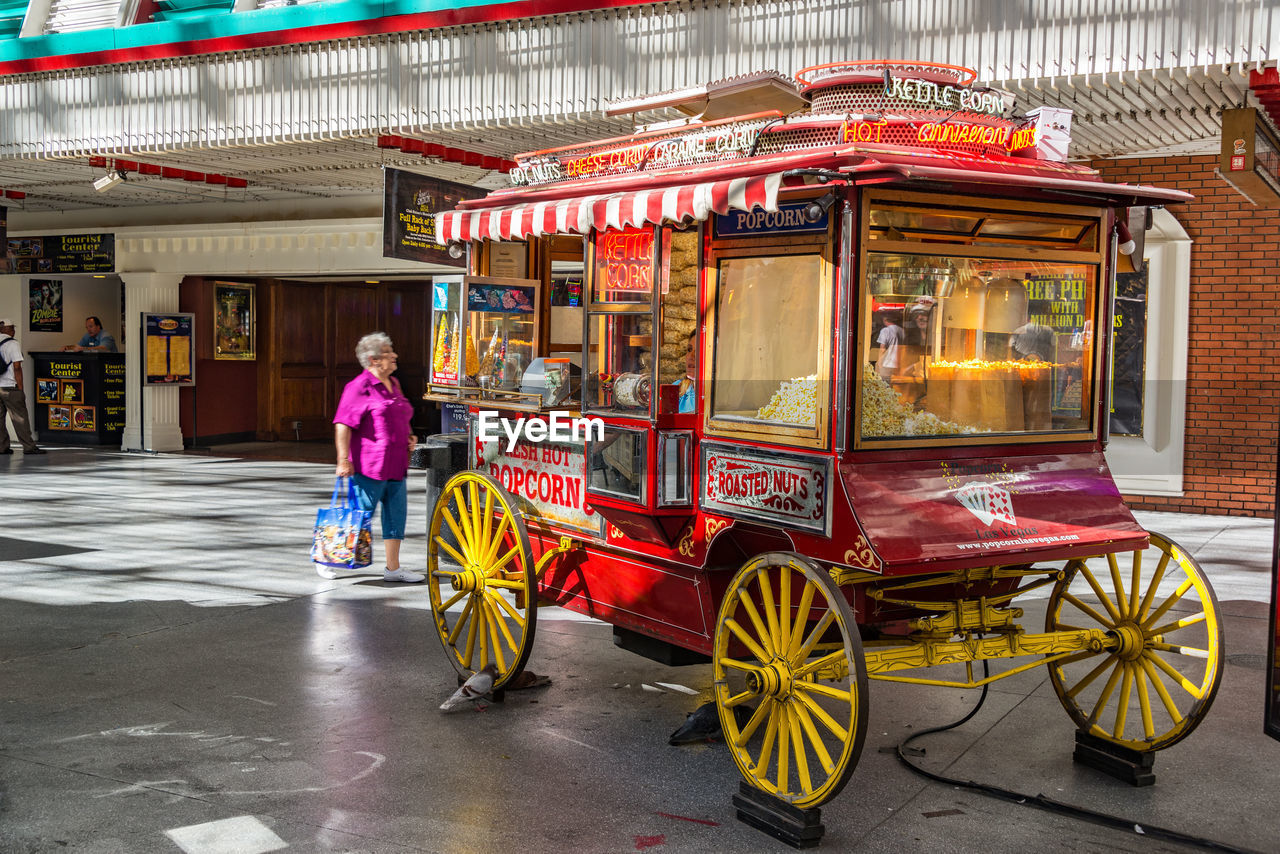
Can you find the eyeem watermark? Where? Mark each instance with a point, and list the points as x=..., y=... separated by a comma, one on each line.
x=557, y=426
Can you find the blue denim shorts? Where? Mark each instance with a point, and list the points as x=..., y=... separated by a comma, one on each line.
x=393, y=497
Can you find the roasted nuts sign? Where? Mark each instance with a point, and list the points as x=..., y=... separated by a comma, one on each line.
x=779, y=489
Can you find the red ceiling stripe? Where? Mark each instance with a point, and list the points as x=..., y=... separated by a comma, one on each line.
x=1266, y=85
x=170, y=172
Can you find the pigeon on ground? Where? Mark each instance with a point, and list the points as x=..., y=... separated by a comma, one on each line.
x=703, y=724
x=473, y=691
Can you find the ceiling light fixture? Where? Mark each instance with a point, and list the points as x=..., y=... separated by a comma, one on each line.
x=109, y=180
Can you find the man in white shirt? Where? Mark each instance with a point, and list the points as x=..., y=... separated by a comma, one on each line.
x=13, y=399
x=890, y=339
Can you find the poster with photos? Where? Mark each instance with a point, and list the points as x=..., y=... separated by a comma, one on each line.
x=83, y=418
x=46, y=391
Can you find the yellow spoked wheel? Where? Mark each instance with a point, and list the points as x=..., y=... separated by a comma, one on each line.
x=1156, y=678
x=480, y=573
x=790, y=680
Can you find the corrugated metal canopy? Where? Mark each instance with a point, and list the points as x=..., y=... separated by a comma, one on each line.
x=302, y=121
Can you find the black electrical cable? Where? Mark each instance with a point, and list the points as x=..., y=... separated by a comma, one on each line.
x=1048, y=804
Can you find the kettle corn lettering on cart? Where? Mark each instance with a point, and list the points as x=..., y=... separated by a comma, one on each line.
x=847, y=336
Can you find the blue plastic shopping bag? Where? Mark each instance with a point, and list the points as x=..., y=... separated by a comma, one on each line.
x=343, y=536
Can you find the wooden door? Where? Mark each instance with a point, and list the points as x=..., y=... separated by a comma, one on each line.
x=309, y=354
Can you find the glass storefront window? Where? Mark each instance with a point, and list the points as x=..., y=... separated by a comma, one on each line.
x=970, y=345
x=770, y=333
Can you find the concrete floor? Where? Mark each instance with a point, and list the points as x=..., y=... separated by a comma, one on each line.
x=174, y=677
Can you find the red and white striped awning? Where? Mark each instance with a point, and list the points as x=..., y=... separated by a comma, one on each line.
x=618, y=210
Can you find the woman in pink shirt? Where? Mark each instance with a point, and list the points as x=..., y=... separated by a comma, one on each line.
x=371, y=431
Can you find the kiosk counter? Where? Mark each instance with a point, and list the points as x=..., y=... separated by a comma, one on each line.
x=79, y=397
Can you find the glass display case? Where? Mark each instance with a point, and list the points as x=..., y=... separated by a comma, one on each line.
x=619, y=464
x=620, y=363
x=623, y=262
x=677, y=353
x=972, y=339
x=484, y=333
x=502, y=313
x=451, y=359
x=620, y=369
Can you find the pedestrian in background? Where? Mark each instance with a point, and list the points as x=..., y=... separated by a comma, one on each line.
x=13, y=397
x=371, y=432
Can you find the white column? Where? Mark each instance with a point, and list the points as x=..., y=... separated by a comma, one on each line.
x=151, y=415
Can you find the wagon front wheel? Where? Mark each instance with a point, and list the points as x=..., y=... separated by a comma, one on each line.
x=481, y=577
x=790, y=680
x=1155, y=679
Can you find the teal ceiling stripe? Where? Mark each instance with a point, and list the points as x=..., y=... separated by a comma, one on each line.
x=242, y=24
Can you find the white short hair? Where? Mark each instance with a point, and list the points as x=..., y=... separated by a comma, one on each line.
x=370, y=347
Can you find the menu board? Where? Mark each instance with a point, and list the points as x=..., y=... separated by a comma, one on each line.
x=168, y=348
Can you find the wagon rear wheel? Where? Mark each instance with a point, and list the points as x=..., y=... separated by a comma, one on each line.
x=480, y=574
x=1156, y=679
x=790, y=682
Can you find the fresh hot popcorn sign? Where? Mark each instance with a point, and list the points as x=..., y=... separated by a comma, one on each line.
x=550, y=477
x=780, y=489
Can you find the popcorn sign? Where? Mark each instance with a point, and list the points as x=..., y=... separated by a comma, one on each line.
x=547, y=476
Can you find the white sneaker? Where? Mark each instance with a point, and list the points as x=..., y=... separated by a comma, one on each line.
x=333, y=572
x=402, y=574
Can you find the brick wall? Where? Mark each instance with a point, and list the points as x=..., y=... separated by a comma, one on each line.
x=1233, y=362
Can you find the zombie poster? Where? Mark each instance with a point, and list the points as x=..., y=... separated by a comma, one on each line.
x=45, y=301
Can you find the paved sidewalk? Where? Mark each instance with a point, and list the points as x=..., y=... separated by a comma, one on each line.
x=174, y=677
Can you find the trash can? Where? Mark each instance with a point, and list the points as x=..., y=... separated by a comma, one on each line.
x=442, y=456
